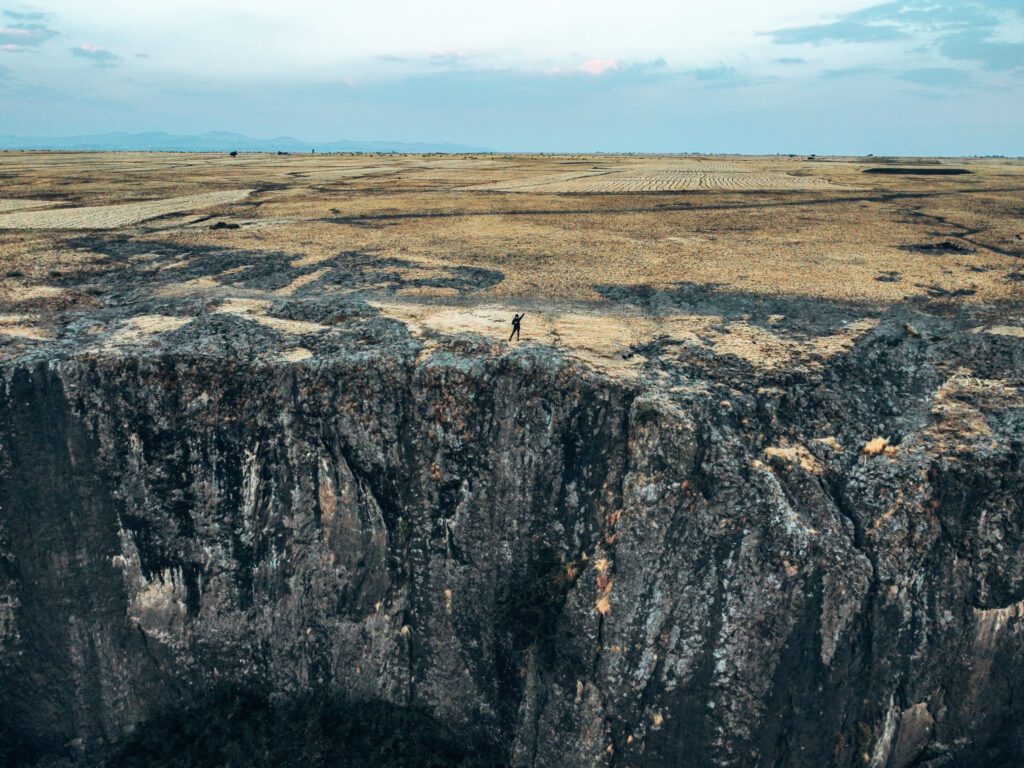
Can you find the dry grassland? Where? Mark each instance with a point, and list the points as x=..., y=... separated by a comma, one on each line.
x=113, y=216
x=605, y=253
x=716, y=176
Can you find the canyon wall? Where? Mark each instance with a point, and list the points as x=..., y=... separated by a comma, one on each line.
x=572, y=568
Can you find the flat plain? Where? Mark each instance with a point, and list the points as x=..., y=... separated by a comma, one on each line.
x=776, y=260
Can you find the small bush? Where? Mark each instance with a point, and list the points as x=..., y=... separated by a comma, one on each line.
x=879, y=445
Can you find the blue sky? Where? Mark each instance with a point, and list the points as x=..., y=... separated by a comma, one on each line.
x=824, y=76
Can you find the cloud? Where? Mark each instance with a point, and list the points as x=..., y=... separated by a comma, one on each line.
x=100, y=56
x=721, y=72
x=724, y=76
x=26, y=15
x=844, y=31
x=449, y=58
x=984, y=31
x=901, y=20
x=477, y=63
x=927, y=76
x=24, y=35
x=613, y=72
x=599, y=66
x=978, y=45
x=517, y=74
x=858, y=71
x=935, y=76
x=429, y=61
x=635, y=108
x=141, y=55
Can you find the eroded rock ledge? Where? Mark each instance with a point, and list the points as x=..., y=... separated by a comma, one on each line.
x=575, y=568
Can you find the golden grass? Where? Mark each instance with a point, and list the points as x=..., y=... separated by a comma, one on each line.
x=733, y=178
x=256, y=310
x=756, y=226
x=6, y=206
x=834, y=242
x=141, y=327
x=878, y=446
x=296, y=354
x=114, y=216
x=959, y=410
x=606, y=340
x=796, y=455
x=605, y=583
x=1006, y=330
x=19, y=331
x=18, y=293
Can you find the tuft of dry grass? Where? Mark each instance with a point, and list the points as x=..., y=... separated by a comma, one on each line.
x=784, y=458
x=879, y=446
x=605, y=582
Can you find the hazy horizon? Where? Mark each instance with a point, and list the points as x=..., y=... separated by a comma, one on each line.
x=436, y=147
x=840, y=77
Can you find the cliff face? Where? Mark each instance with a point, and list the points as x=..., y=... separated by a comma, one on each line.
x=575, y=569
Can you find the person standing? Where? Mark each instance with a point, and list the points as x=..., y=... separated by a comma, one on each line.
x=516, y=321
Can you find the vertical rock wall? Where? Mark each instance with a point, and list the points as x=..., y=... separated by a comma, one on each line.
x=571, y=569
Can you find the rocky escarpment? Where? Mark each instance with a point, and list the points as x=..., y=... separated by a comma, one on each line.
x=562, y=568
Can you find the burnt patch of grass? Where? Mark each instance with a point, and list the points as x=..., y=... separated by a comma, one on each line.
x=944, y=246
x=923, y=171
x=937, y=292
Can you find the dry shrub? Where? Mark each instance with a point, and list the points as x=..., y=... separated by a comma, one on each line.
x=879, y=445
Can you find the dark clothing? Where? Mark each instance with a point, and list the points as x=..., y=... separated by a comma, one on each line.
x=515, y=326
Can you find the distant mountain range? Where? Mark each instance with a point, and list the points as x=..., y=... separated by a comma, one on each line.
x=217, y=141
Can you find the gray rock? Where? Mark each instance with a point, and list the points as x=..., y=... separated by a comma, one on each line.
x=579, y=570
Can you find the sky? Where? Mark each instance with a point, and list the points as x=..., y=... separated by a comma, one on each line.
x=924, y=77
